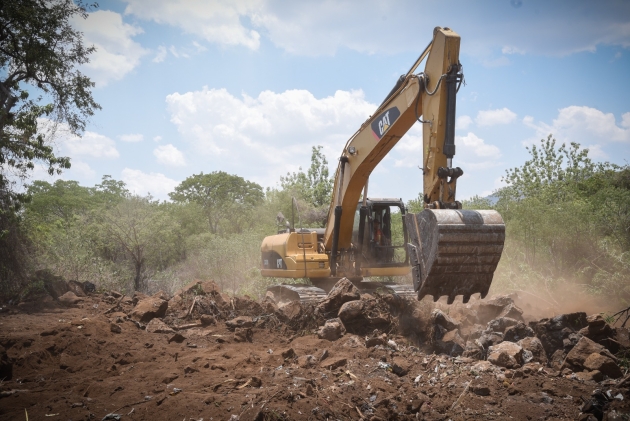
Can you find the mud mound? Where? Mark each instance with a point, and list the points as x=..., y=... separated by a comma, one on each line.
x=203, y=354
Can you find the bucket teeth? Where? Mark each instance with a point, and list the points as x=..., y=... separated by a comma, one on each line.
x=454, y=252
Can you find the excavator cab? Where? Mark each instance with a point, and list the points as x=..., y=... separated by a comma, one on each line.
x=385, y=235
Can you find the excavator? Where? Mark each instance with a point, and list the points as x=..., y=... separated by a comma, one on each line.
x=448, y=251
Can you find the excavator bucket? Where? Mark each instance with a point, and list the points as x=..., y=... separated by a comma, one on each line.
x=454, y=252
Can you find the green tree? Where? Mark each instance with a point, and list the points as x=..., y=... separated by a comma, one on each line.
x=227, y=200
x=39, y=55
x=39, y=85
x=315, y=186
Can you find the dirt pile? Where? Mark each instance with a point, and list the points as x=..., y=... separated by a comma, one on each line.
x=201, y=354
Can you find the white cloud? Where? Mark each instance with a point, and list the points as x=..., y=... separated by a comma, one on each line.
x=142, y=183
x=217, y=22
x=463, y=122
x=161, y=54
x=82, y=169
x=91, y=144
x=477, y=146
x=169, y=155
x=316, y=28
x=494, y=117
x=271, y=132
x=157, y=138
x=134, y=137
x=584, y=125
x=116, y=52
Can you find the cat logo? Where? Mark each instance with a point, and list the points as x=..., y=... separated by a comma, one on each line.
x=384, y=121
x=279, y=263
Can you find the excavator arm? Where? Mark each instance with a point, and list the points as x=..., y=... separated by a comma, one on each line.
x=452, y=251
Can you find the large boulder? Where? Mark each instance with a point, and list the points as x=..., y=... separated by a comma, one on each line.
x=451, y=343
x=77, y=288
x=560, y=332
x=517, y=332
x=149, y=308
x=500, y=324
x=69, y=299
x=534, y=350
x=438, y=317
x=603, y=364
x=341, y=293
x=501, y=306
x=56, y=286
x=291, y=311
x=489, y=339
x=351, y=311
x=332, y=330
x=474, y=350
x=506, y=354
x=583, y=350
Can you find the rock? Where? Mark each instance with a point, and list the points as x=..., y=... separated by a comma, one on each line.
x=451, y=343
x=288, y=354
x=582, y=350
x=517, y=332
x=54, y=285
x=115, y=294
x=490, y=309
x=149, y=308
x=471, y=332
x=189, y=370
x=137, y=297
x=169, y=378
x=77, y=288
x=114, y=328
x=500, y=324
x=341, y=293
x=439, y=318
x=553, y=332
x=269, y=303
x=557, y=359
x=474, y=350
x=332, y=363
x=535, y=348
x=161, y=295
x=350, y=311
x=88, y=287
x=481, y=390
x=483, y=367
x=512, y=311
x=291, y=310
x=207, y=320
x=158, y=326
x=488, y=339
x=592, y=376
x=240, y=321
x=177, y=338
x=604, y=364
x=210, y=288
x=506, y=354
x=332, y=330
x=306, y=361
x=243, y=334
x=378, y=340
x=69, y=298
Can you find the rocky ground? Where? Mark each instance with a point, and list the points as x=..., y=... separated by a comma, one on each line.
x=77, y=355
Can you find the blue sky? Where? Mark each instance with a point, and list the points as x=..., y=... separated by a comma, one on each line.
x=247, y=87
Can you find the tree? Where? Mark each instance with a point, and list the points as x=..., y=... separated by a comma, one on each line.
x=227, y=200
x=39, y=85
x=315, y=186
x=39, y=53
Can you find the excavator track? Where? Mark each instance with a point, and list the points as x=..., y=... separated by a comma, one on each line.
x=454, y=252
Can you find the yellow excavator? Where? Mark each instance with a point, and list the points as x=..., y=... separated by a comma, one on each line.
x=449, y=251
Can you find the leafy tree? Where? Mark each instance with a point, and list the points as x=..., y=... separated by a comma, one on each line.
x=39, y=83
x=39, y=53
x=227, y=200
x=315, y=186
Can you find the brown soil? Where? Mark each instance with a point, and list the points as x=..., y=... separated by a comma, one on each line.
x=68, y=364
